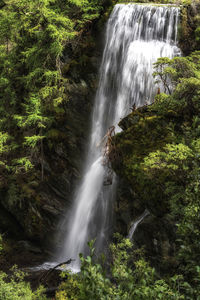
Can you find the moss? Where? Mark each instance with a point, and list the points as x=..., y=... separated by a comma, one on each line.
x=145, y=132
x=55, y=134
x=188, y=29
x=28, y=191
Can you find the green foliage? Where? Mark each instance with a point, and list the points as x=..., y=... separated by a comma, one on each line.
x=181, y=76
x=22, y=164
x=172, y=158
x=14, y=287
x=33, y=38
x=160, y=160
x=4, y=148
x=170, y=72
x=130, y=277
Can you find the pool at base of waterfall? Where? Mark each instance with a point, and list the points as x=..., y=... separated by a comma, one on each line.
x=51, y=265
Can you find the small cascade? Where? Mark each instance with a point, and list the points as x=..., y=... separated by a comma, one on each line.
x=136, y=36
x=136, y=223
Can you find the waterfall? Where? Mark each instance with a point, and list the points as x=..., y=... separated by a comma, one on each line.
x=136, y=223
x=136, y=36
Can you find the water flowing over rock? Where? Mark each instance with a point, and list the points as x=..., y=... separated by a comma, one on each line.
x=136, y=223
x=136, y=36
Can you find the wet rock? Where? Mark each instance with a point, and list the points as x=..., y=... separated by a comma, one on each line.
x=28, y=246
x=158, y=235
x=52, y=210
x=9, y=224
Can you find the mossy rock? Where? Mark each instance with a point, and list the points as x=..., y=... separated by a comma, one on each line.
x=146, y=132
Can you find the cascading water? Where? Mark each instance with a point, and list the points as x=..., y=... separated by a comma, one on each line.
x=136, y=223
x=136, y=36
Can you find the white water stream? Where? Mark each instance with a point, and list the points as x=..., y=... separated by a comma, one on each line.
x=136, y=223
x=136, y=36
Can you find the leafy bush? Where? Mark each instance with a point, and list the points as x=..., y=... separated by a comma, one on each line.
x=15, y=288
x=128, y=277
